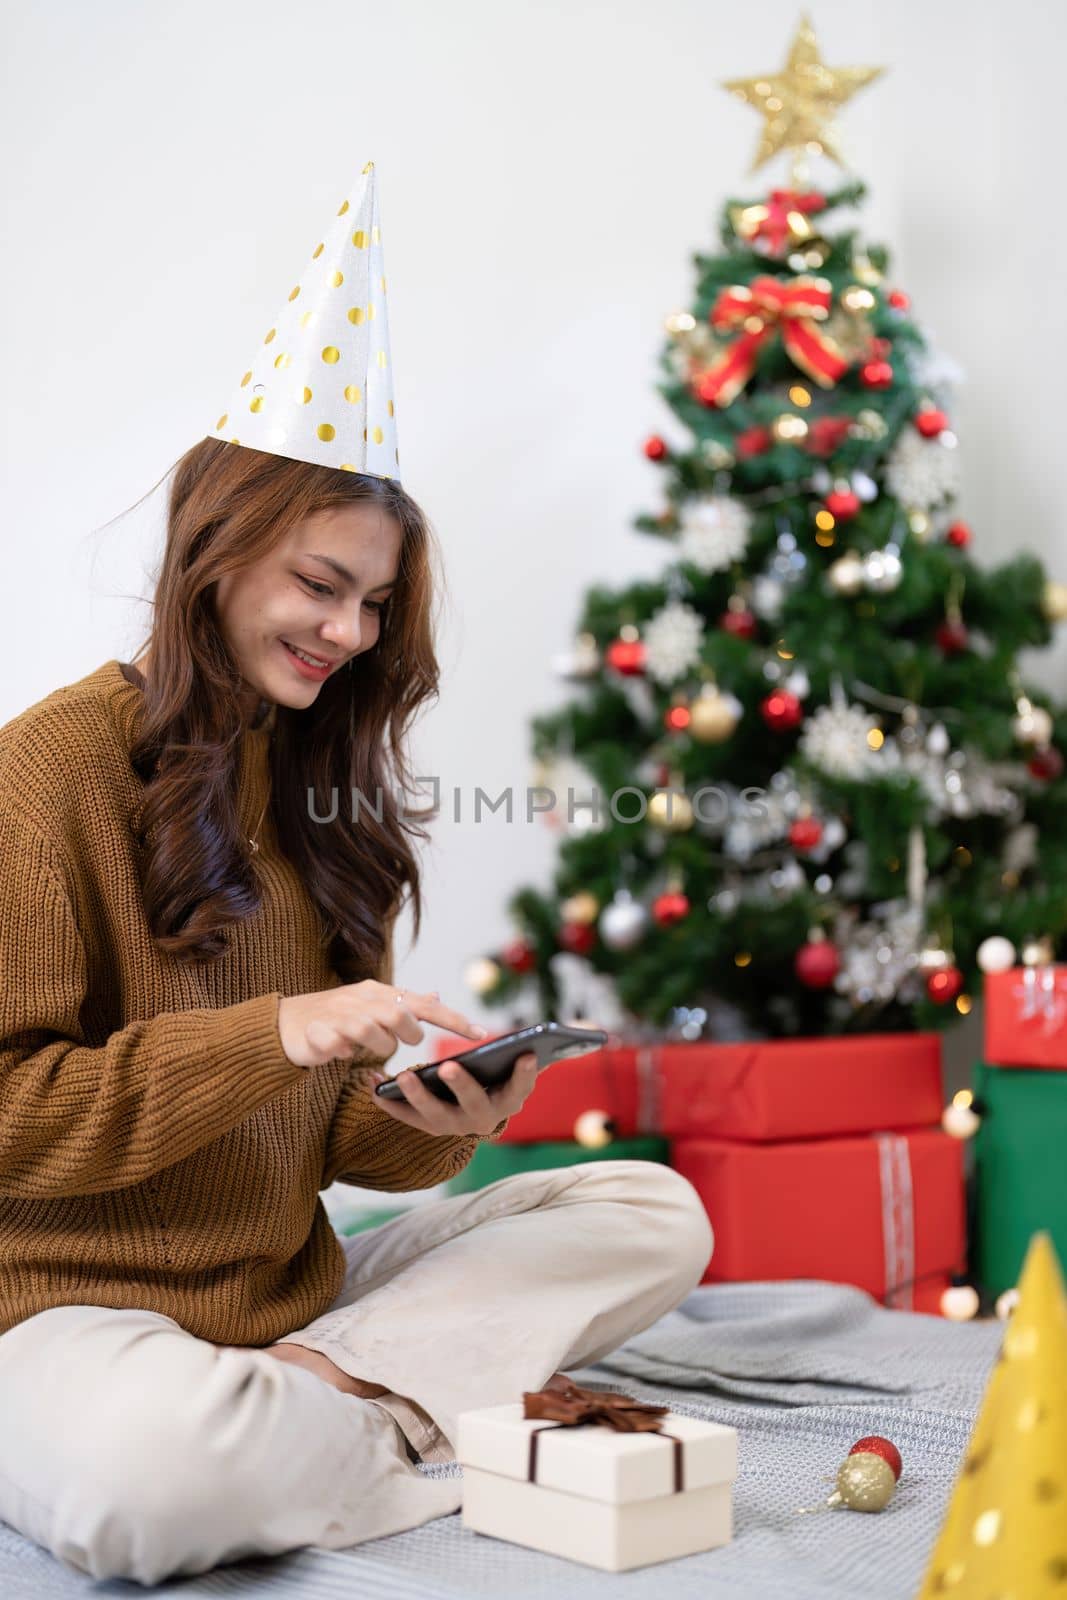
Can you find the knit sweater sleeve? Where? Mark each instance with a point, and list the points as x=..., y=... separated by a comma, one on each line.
x=77, y=1119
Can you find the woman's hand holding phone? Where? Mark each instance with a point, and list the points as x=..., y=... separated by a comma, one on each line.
x=479, y=1110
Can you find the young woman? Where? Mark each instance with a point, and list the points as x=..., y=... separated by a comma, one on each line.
x=195, y=993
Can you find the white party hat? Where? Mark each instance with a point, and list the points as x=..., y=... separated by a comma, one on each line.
x=320, y=387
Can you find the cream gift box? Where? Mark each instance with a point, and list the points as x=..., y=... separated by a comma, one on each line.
x=610, y=1499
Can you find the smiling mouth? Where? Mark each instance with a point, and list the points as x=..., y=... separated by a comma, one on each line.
x=305, y=655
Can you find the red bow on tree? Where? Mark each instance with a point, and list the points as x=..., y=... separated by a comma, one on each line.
x=791, y=307
x=574, y=1405
x=781, y=220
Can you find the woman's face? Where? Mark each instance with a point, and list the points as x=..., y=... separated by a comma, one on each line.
x=294, y=597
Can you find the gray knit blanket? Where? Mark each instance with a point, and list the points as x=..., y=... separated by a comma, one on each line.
x=801, y=1369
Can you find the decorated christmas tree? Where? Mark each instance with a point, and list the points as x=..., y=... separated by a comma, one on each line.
x=801, y=784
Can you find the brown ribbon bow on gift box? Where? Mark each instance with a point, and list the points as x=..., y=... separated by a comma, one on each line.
x=574, y=1407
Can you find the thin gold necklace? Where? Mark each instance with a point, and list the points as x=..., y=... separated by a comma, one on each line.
x=253, y=838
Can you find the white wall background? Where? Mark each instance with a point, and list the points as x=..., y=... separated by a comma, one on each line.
x=545, y=172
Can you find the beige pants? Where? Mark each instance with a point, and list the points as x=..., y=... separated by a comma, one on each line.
x=133, y=1449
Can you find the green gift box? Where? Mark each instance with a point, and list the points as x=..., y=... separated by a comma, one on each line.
x=1020, y=1149
x=493, y=1161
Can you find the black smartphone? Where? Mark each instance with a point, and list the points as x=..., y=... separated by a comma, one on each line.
x=492, y=1063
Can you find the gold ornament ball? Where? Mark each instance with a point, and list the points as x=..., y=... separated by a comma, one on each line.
x=865, y=1482
x=581, y=907
x=712, y=718
x=1037, y=952
x=856, y=298
x=959, y=1118
x=960, y=1303
x=594, y=1129
x=482, y=976
x=846, y=574
x=1032, y=725
x=671, y=810
x=1054, y=601
x=788, y=428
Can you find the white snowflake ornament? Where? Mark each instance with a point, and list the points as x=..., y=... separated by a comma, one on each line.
x=922, y=473
x=672, y=640
x=714, y=532
x=835, y=739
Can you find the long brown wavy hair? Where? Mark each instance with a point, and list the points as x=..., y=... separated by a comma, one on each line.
x=229, y=505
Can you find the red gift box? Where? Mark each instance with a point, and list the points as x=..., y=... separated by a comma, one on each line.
x=1026, y=1017
x=884, y=1212
x=778, y=1089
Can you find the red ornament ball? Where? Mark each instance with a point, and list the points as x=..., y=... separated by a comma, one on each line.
x=577, y=937
x=932, y=422
x=876, y=374
x=755, y=441
x=782, y=710
x=805, y=833
x=959, y=534
x=944, y=985
x=1045, y=764
x=742, y=624
x=843, y=504
x=899, y=300
x=676, y=718
x=656, y=448
x=817, y=964
x=952, y=638
x=626, y=656
x=877, y=1446
x=519, y=956
x=670, y=907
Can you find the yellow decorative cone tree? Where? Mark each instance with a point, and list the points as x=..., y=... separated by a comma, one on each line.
x=1005, y=1532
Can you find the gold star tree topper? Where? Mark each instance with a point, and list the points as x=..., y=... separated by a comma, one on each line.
x=799, y=103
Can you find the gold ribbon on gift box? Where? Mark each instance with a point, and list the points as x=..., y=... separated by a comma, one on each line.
x=574, y=1407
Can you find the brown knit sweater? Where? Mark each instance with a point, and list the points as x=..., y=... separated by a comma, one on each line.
x=157, y=1147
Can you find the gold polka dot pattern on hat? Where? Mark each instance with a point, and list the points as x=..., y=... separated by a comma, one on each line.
x=270, y=336
x=336, y=279
x=307, y=318
x=294, y=292
x=377, y=435
x=316, y=253
x=283, y=360
x=331, y=354
x=326, y=431
x=382, y=359
x=1005, y=1532
x=343, y=209
x=246, y=379
x=356, y=315
x=392, y=409
x=257, y=403
x=353, y=393
x=359, y=239
x=221, y=423
x=305, y=396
